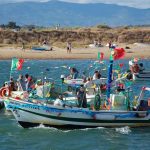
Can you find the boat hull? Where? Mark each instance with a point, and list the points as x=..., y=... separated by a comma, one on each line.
x=1, y=104
x=30, y=115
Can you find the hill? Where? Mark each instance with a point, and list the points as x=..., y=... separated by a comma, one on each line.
x=71, y=14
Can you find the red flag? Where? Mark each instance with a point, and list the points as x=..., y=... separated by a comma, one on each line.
x=119, y=53
x=121, y=65
x=20, y=63
x=101, y=56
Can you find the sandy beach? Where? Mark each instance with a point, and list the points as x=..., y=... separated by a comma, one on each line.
x=136, y=50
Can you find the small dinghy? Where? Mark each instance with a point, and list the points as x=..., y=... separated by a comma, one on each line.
x=42, y=48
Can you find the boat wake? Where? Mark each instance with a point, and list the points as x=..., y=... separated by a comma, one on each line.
x=123, y=130
x=41, y=126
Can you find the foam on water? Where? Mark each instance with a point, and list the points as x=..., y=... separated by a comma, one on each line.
x=123, y=130
x=41, y=126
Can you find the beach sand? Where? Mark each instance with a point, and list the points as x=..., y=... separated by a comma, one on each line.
x=136, y=50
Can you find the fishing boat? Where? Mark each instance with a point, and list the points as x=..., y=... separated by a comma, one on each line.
x=31, y=113
x=116, y=110
x=143, y=76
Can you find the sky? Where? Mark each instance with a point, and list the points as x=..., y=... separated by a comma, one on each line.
x=131, y=3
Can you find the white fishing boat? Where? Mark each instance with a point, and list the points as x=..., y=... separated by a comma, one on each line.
x=33, y=113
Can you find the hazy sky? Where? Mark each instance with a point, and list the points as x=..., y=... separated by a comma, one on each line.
x=132, y=3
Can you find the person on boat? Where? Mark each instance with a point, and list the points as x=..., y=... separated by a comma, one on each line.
x=84, y=76
x=59, y=101
x=141, y=67
x=26, y=77
x=12, y=84
x=89, y=85
x=74, y=73
x=129, y=75
x=135, y=68
x=81, y=96
x=120, y=87
x=21, y=83
x=29, y=84
x=97, y=75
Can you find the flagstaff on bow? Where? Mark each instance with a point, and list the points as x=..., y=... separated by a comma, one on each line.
x=116, y=53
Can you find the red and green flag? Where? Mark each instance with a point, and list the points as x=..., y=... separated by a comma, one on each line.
x=100, y=56
x=16, y=64
x=117, y=53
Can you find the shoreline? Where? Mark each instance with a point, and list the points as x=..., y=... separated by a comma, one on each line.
x=136, y=51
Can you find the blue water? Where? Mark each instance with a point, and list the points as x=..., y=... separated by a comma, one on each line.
x=14, y=137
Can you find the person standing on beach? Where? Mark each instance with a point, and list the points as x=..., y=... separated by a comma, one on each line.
x=110, y=44
x=69, y=47
x=23, y=46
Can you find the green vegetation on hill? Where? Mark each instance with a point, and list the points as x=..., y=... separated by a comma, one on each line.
x=79, y=36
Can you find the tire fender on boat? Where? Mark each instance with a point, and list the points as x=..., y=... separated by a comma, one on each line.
x=5, y=92
x=97, y=102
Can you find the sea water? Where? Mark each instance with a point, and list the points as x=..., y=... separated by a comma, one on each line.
x=14, y=137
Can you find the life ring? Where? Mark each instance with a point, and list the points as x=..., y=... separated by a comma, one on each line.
x=2, y=90
x=5, y=92
x=97, y=102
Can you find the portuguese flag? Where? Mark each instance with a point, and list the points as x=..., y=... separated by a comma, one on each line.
x=100, y=56
x=16, y=64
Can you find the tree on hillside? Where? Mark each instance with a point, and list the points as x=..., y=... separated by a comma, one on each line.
x=12, y=25
x=103, y=26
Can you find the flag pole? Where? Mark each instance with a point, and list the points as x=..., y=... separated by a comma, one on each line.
x=10, y=74
x=110, y=71
x=116, y=53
